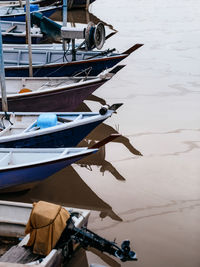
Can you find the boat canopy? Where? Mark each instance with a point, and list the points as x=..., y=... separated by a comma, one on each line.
x=46, y=224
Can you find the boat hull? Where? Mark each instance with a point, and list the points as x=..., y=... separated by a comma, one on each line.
x=13, y=39
x=21, y=17
x=80, y=3
x=58, y=100
x=25, y=176
x=63, y=138
x=66, y=68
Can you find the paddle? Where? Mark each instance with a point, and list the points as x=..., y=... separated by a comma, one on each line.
x=106, y=140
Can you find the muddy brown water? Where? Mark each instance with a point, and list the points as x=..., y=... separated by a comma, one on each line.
x=154, y=199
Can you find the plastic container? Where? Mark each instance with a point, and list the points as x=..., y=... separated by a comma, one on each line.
x=32, y=8
x=47, y=120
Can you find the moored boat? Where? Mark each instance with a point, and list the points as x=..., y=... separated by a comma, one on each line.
x=23, y=168
x=52, y=94
x=58, y=63
x=15, y=32
x=14, y=13
x=43, y=130
x=51, y=228
x=14, y=217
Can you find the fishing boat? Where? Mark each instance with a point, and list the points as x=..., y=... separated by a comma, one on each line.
x=14, y=217
x=52, y=94
x=71, y=4
x=18, y=3
x=43, y=130
x=15, y=32
x=23, y=168
x=14, y=13
x=58, y=63
x=53, y=233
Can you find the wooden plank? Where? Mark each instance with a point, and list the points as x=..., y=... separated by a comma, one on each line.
x=13, y=27
x=17, y=254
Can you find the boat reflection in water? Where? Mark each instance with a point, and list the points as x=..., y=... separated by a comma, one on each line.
x=104, y=130
x=80, y=16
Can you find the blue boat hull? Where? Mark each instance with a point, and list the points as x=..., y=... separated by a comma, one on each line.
x=11, y=39
x=18, y=178
x=22, y=17
x=67, y=68
x=66, y=138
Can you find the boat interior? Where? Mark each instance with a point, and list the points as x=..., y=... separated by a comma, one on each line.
x=28, y=85
x=17, y=57
x=13, y=241
x=12, y=27
x=22, y=124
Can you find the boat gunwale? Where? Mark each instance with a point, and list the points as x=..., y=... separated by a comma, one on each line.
x=52, y=90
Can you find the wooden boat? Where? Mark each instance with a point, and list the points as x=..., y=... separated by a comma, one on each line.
x=52, y=230
x=13, y=13
x=43, y=130
x=47, y=62
x=52, y=94
x=23, y=168
x=15, y=32
x=13, y=219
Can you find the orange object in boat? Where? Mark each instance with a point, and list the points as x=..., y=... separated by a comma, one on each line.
x=25, y=90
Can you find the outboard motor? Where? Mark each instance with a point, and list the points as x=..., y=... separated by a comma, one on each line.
x=87, y=238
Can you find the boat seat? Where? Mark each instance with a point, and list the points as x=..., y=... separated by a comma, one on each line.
x=18, y=254
x=13, y=27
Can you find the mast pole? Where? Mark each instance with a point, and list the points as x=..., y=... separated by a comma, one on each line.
x=2, y=77
x=28, y=35
x=64, y=20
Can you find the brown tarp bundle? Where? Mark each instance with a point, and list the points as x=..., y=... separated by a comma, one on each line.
x=46, y=224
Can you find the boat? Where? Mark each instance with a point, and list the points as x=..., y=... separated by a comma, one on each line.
x=43, y=130
x=14, y=13
x=43, y=28
x=23, y=168
x=71, y=4
x=17, y=2
x=58, y=63
x=14, y=217
x=75, y=4
x=52, y=230
x=52, y=94
x=15, y=32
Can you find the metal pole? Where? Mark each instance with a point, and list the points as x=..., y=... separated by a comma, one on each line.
x=64, y=20
x=2, y=77
x=28, y=34
x=64, y=13
x=87, y=4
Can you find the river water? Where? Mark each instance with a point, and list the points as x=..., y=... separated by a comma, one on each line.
x=154, y=199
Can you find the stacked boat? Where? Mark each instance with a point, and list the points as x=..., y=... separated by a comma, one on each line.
x=39, y=130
